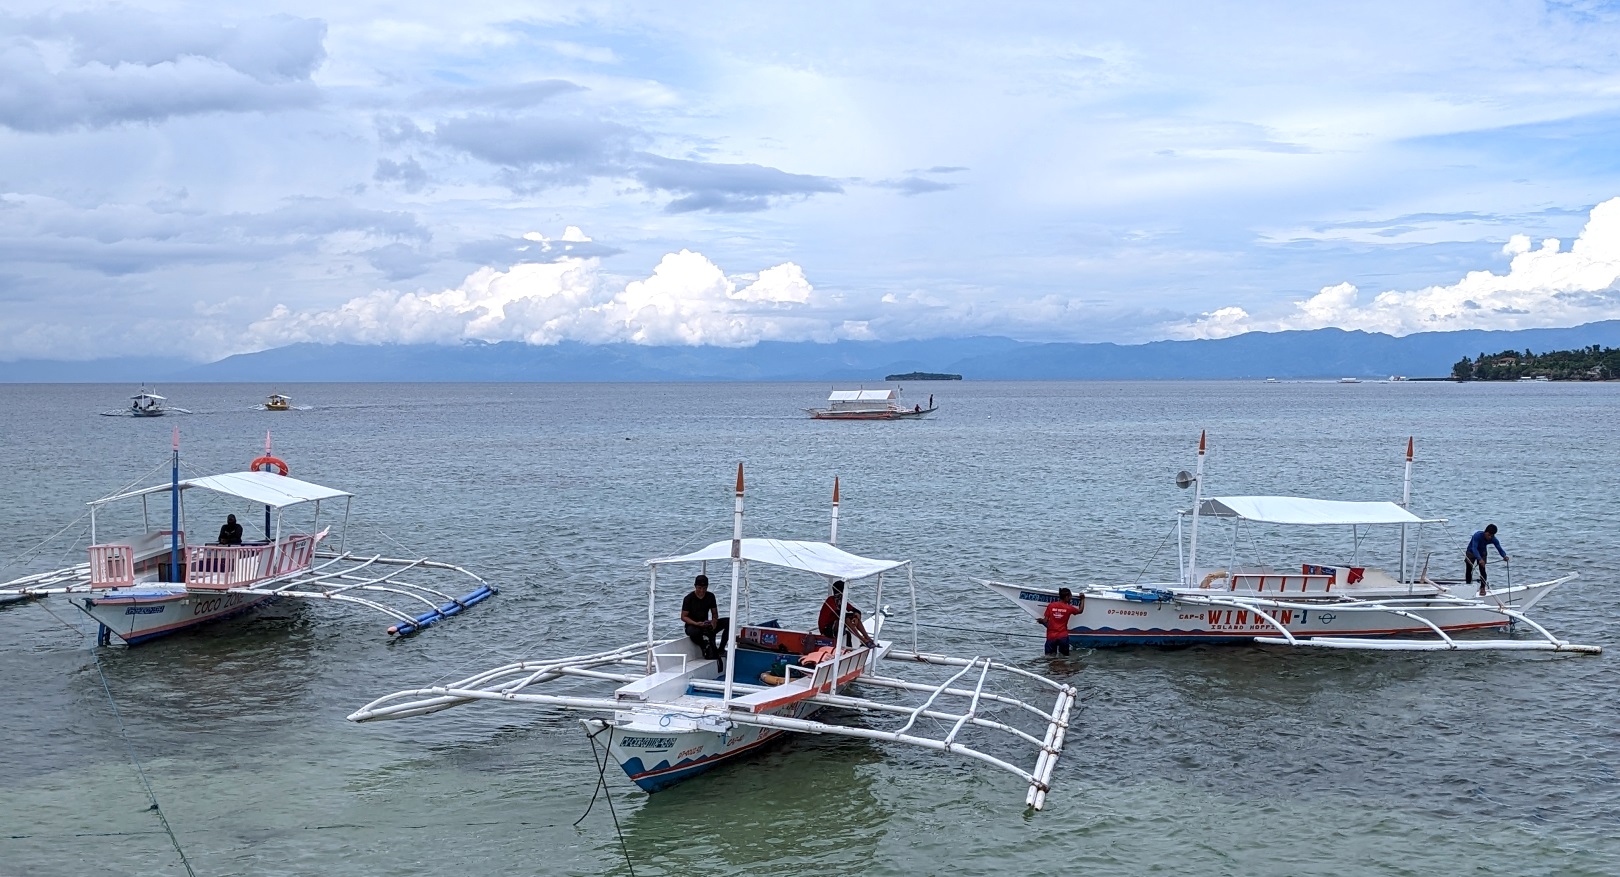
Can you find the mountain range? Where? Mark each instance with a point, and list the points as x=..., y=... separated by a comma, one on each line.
x=1318, y=353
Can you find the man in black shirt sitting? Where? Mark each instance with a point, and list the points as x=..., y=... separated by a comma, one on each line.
x=702, y=618
x=231, y=533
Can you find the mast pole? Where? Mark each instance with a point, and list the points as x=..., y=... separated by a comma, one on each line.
x=1198, y=500
x=174, y=511
x=736, y=575
x=267, y=508
x=1406, y=503
x=833, y=539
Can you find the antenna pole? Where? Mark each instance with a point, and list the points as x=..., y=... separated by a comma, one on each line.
x=833, y=539
x=1198, y=500
x=736, y=576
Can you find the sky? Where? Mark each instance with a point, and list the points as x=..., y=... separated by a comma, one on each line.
x=201, y=179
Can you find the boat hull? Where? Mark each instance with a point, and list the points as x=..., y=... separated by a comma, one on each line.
x=656, y=756
x=137, y=616
x=822, y=414
x=1115, y=617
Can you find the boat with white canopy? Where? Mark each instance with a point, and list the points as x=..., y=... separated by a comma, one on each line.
x=869, y=405
x=146, y=403
x=158, y=581
x=1343, y=604
x=664, y=712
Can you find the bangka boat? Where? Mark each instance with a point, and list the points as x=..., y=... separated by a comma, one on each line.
x=146, y=403
x=1340, y=604
x=664, y=712
x=869, y=405
x=277, y=402
x=158, y=581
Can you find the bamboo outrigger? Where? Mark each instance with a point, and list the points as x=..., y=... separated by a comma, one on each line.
x=669, y=712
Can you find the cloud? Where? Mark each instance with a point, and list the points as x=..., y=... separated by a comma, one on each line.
x=1544, y=286
x=408, y=173
x=916, y=185
x=539, y=152
x=687, y=300
x=511, y=96
x=120, y=65
x=534, y=247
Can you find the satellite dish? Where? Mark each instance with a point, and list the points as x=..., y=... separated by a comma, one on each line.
x=1184, y=479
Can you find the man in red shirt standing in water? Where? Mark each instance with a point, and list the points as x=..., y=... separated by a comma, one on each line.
x=1056, y=620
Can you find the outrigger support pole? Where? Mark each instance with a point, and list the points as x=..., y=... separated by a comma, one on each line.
x=1198, y=500
x=736, y=576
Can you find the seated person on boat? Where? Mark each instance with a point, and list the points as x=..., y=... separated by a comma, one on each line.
x=701, y=615
x=828, y=620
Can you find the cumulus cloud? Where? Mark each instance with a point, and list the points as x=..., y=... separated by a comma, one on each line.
x=124, y=65
x=687, y=300
x=1544, y=285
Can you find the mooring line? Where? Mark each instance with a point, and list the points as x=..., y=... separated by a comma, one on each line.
x=139, y=771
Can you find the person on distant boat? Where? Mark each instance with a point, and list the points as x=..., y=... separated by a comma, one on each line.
x=701, y=615
x=827, y=621
x=231, y=533
x=1475, y=556
x=1056, y=621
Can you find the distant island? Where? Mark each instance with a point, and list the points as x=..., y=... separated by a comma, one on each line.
x=923, y=376
x=1594, y=363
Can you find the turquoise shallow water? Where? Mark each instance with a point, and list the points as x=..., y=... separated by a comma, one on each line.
x=1200, y=760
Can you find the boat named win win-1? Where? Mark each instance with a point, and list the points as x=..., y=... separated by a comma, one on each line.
x=1343, y=605
x=665, y=712
x=158, y=581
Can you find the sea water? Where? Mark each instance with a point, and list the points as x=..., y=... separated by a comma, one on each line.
x=1207, y=760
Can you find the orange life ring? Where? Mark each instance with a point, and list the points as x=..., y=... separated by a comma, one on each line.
x=263, y=463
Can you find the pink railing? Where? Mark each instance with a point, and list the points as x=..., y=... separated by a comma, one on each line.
x=234, y=566
x=112, y=566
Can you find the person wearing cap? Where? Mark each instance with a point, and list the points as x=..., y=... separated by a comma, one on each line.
x=701, y=615
x=1475, y=556
x=827, y=621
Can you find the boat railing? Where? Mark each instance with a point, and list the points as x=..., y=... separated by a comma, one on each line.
x=233, y=566
x=112, y=566
x=1281, y=583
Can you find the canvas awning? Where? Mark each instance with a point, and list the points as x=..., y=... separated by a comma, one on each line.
x=1308, y=512
x=817, y=557
x=262, y=488
x=862, y=396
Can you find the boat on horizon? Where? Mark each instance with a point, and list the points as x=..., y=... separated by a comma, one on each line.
x=278, y=402
x=1323, y=602
x=665, y=711
x=155, y=581
x=1349, y=380
x=146, y=403
x=866, y=404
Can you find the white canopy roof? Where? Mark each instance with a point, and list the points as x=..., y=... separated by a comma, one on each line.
x=1299, y=510
x=817, y=557
x=262, y=488
x=861, y=396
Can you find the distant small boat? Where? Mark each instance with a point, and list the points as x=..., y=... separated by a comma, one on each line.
x=1397, y=377
x=869, y=405
x=278, y=402
x=1273, y=381
x=1349, y=380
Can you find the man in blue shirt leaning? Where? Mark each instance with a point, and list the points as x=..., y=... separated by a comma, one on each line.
x=1476, y=555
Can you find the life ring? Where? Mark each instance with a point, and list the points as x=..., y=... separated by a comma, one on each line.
x=1204, y=584
x=263, y=463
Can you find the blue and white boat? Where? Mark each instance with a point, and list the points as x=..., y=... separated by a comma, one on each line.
x=1327, y=602
x=665, y=713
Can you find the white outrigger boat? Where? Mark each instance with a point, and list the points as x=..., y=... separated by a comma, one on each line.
x=146, y=403
x=666, y=713
x=1326, y=605
x=158, y=582
x=869, y=405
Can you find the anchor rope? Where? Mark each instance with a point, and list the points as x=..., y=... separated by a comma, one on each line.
x=1143, y=571
x=601, y=784
x=123, y=733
